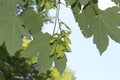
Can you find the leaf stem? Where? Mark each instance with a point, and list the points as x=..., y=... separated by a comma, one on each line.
x=57, y=17
x=55, y=22
x=93, y=6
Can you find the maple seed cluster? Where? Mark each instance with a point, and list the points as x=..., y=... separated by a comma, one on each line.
x=60, y=44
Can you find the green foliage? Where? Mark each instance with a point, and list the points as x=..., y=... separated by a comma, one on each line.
x=116, y=1
x=67, y=75
x=60, y=44
x=10, y=33
x=31, y=18
x=15, y=67
x=19, y=21
x=9, y=5
x=60, y=64
x=100, y=26
x=45, y=4
x=76, y=7
x=40, y=47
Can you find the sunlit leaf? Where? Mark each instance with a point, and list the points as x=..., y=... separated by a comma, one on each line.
x=55, y=75
x=68, y=75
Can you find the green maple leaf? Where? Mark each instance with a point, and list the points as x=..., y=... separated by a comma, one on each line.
x=100, y=27
x=11, y=29
x=32, y=21
x=44, y=61
x=116, y=1
x=60, y=64
x=40, y=46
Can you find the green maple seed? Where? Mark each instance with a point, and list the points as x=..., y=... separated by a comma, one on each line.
x=52, y=41
x=62, y=48
x=67, y=40
x=68, y=48
x=57, y=48
x=52, y=52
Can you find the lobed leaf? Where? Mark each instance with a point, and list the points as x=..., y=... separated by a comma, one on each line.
x=32, y=21
x=11, y=31
x=40, y=46
x=101, y=26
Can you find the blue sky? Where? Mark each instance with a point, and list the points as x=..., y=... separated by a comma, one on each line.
x=85, y=59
